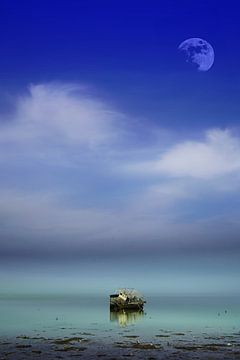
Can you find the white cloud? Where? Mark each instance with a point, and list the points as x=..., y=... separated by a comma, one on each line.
x=36, y=222
x=78, y=146
x=30, y=216
x=61, y=114
x=218, y=155
x=32, y=212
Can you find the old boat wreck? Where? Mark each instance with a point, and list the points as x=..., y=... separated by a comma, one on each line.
x=126, y=299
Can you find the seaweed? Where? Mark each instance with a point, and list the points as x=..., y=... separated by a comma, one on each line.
x=138, y=345
x=131, y=336
x=70, y=340
x=162, y=336
x=71, y=348
x=23, y=346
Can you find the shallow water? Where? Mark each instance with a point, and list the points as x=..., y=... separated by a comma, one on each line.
x=75, y=313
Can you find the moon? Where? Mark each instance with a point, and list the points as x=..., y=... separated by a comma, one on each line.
x=198, y=52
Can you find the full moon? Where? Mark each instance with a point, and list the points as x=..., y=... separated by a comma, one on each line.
x=198, y=52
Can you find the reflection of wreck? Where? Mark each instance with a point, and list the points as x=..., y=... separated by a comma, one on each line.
x=126, y=299
x=126, y=317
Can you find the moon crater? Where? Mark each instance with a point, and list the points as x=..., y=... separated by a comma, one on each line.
x=198, y=52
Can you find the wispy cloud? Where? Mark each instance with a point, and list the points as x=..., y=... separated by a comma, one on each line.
x=56, y=123
x=75, y=175
x=217, y=155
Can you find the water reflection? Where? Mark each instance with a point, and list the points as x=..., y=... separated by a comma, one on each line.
x=126, y=317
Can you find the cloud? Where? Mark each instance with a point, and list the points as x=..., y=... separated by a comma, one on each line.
x=41, y=221
x=218, y=155
x=58, y=114
x=73, y=177
x=40, y=224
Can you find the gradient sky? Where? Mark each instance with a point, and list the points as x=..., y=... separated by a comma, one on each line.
x=110, y=143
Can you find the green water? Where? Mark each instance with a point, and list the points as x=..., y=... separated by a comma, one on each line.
x=81, y=313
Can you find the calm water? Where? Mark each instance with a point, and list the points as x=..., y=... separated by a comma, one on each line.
x=53, y=314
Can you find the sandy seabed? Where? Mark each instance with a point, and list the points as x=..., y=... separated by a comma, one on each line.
x=84, y=345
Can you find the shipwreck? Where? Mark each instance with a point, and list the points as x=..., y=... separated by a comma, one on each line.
x=126, y=299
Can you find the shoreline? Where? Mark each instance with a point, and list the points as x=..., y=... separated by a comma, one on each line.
x=85, y=345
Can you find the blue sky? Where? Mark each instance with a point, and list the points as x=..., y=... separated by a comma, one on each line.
x=109, y=141
x=127, y=54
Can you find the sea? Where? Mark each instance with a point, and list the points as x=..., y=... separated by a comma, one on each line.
x=56, y=314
